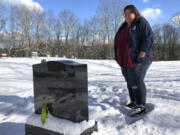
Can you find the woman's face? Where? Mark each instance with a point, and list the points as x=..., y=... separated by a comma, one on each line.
x=129, y=16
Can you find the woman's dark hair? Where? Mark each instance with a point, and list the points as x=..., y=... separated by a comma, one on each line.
x=133, y=9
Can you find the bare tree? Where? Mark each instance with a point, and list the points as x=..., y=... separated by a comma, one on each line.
x=104, y=15
x=76, y=33
x=159, y=45
x=68, y=20
x=49, y=23
x=110, y=13
x=58, y=30
x=176, y=21
x=93, y=26
x=23, y=20
x=170, y=38
x=116, y=10
x=13, y=31
x=37, y=29
x=84, y=33
x=2, y=20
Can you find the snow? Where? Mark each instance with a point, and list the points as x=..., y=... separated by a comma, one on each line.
x=62, y=126
x=107, y=93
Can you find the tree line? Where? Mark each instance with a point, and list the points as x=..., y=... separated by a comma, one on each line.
x=23, y=31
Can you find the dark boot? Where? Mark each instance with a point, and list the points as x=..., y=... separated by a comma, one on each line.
x=139, y=109
x=131, y=105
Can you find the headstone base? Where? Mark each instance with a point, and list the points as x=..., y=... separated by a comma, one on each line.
x=56, y=126
x=33, y=130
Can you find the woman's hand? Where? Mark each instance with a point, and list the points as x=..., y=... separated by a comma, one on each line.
x=142, y=54
x=141, y=57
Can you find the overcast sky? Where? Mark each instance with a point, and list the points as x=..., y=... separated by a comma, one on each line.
x=156, y=11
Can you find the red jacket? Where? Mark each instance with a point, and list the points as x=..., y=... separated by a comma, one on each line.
x=122, y=49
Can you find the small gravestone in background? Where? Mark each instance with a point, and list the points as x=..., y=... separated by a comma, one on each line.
x=34, y=54
x=63, y=86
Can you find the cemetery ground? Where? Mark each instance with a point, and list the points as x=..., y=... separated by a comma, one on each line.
x=107, y=93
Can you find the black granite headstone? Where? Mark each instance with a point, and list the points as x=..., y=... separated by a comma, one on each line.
x=63, y=85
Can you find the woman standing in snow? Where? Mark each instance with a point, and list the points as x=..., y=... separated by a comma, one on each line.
x=133, y=52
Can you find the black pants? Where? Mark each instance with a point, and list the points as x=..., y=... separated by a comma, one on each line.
x=135, y=81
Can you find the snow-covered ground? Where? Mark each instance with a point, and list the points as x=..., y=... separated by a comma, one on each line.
x=107, y=94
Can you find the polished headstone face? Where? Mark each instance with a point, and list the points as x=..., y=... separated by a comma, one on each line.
x=63, y=85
